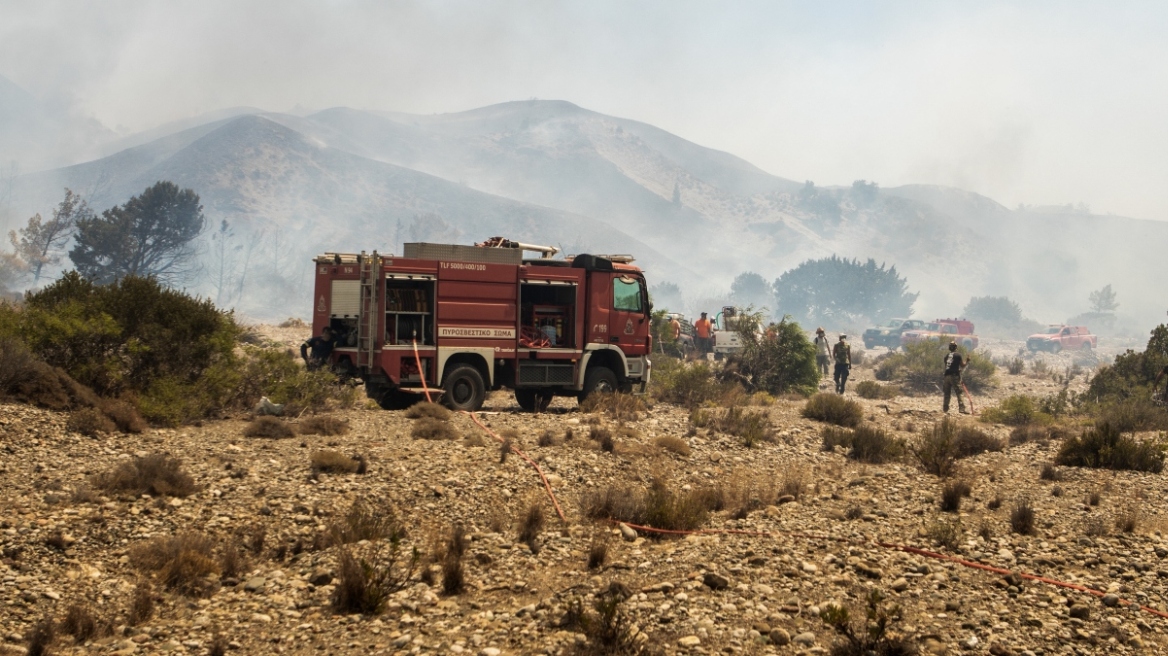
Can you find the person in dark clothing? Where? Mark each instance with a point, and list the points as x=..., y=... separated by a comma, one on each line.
x=1159, y=377
x=316, y=350
x=954, y=363
x=842, y=352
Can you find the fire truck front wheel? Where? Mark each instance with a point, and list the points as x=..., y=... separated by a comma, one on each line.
x=464, y=389
x=598, y=379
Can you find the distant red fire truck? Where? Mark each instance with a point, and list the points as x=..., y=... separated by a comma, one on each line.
x=481, y=317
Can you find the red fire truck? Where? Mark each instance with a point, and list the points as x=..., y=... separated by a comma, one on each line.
x=478, y=318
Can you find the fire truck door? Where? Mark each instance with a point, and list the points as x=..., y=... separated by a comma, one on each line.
x=627, y=320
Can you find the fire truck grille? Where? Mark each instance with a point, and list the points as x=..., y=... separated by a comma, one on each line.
x=545, y=374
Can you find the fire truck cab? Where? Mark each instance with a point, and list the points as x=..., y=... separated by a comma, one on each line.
x=470, y=319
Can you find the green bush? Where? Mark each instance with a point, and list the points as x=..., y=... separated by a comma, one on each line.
x=870, y=389
x=919, y=368
x=834, y=409
x=1131, y=415
x=684, y=384
x=1105, y=447
x=1016, y=410
x=779, y=359
x=1132, y=373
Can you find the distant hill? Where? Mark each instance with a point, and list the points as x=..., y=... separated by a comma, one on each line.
x=552, y=172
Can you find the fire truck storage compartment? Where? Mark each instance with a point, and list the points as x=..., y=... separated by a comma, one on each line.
x=343, y=311
x=409, y=309
x=548, y=313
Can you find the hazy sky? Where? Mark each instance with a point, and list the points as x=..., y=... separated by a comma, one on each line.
x=1035, y=102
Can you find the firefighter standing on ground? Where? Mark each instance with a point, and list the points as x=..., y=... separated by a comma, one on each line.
x=954, y=363
x=842, y=352
x=703, y=330
x=822, y=351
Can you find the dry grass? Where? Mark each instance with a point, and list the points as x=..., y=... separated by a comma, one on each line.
x=453, y=576
x=1127, y=519
x=141, y=605
x=183, y=563
x=1050, y=472
x=940, y=447
x=659, y=506
x=603, y=437
x=598, y=552
x=365, y=521
x=335, y=462
x=364, y=584
x=531, y=525
x=793, y=481
x=620, y=407
x=269, y=427
x=89, y=422
x=1022, y=517
x=673, y=444
x=429, y=428
x=41, y=637
x=870, y=389
x=944, y=533
x=326, y=425
x=156, y=474
x=124, y=415
x=81, y=623
x=752, y=426
x=548, y=438
x=834, y=409
x=951, y=495
x=426, y=409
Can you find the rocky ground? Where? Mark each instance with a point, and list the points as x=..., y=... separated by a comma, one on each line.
x=696, y=594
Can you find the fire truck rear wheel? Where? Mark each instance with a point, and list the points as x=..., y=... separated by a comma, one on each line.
x=598, y=379
x=1056, y=347
x=464, y=389
x=533, y=400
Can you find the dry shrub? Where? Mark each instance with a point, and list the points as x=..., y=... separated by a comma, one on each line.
x=1030, y=433
x=853, y=512
x=866, y=443
x=41, y=637
x=603, y=437
x=364, y=584
x=531, y=525
x=872, y=637
x=621, y=407
x=453, y=577
x=268, y=426
x=218, y=646
x=793, y=481
x=1094, y=497
x=429, y=428
x=1095, y=527
x=753, y=426
x=26, y=379
x=673, y=444
x=607, y=629
x=597, y=553
x=141, y=605
x=970, y=441
x=124, y=415
x=870, y=389
x=1050, y=472
x=944, y=532
x=426, y=409
x=365, y=521
x=89, y=422
x=335, y=462
x=1127, y=520
x=182, y=562
x=1022, y=517
x=474, y=440
x=1104, y=447
x=834, y=409
x=256, y=539
x=156, y=474
x=1016, y=410
x=834, y=436
x=548, y=438
x=80, y=622
x=996, y=502
x=326, y=425
x=659, y=506
x=951, y=495
x=232, y=563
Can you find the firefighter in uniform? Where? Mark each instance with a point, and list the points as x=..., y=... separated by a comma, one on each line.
x=316, y=350
x=822, y=351
x=842, y=352
x=954, y=363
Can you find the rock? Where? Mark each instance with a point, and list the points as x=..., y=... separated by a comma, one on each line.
x=261, y=617
x=761, y=627
x=780, y=637
x=806, y=639
x=1110, y=600
x=900, y=584
x=254, y=584
x=321, y=577
x=1080, y=611
x=627, y=532
x=715, y=581
x=786, y=498
x=491, y=651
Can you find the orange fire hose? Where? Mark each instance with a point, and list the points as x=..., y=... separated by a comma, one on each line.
x=546, y=484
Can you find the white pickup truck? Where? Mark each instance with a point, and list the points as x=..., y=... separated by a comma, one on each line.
x=727, y=341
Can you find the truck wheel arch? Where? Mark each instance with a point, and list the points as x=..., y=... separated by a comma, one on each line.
x=482, y=359
x=609, y=357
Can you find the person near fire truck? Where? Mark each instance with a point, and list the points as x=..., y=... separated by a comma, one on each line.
x=316, y=350
x=703, y=331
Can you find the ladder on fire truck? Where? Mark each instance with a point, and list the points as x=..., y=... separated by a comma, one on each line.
x=367, y=321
